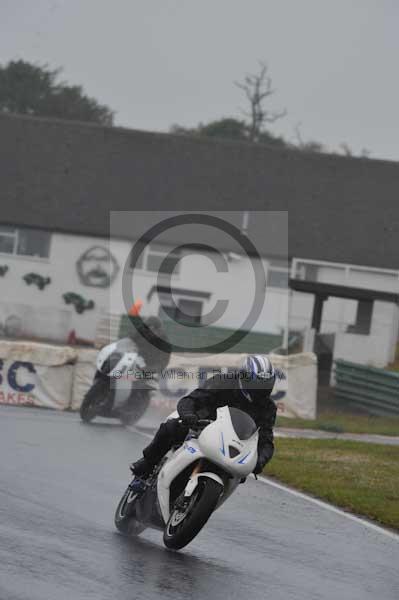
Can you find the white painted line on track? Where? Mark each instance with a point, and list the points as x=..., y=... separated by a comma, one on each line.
x=316, y=501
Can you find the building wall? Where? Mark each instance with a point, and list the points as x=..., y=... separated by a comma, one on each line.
x=198, y=273
x=43, y=313
x=339, y=313
x=376, y=349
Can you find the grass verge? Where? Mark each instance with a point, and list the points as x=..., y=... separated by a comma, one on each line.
x=359, y=477
x=345, y=423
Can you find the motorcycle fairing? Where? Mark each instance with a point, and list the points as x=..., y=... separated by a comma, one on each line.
x=179, y=460
x=213, y=443
x=129, y=357
x=219, y=439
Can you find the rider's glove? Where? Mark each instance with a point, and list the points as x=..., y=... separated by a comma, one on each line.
x=190, y=419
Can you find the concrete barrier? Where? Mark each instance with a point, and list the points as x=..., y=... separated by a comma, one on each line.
x=85, y=367
x=59, y=376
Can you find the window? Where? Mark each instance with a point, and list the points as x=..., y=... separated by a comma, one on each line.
x=24, y=242
x=364, y=317
x=189, y=311
x=152, y=258
x=277, y=277
x=311, y=272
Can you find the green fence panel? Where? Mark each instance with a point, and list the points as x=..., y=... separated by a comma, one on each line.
x=373, y=390
x=197, y=337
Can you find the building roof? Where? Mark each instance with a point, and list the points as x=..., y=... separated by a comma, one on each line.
x=325, y=290
x=68, y=176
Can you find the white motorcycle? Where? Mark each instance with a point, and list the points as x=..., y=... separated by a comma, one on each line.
x=193, y=480
x=119, y=389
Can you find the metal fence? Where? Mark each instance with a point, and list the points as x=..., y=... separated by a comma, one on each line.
x=373, y=390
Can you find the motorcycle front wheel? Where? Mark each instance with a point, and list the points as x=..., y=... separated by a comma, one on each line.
x=98, y=392
x=125, y=515
x=189, y=516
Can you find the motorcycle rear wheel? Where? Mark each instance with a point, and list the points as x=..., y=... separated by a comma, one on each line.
x=137, y=406
x=183, y=526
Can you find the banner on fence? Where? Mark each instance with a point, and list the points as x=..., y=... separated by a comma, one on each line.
x=295, y=396
x=58, y=377
x=24, y=383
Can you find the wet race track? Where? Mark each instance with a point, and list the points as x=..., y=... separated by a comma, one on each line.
x=61, y=480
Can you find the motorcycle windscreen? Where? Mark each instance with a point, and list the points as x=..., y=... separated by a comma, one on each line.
x=243, y=424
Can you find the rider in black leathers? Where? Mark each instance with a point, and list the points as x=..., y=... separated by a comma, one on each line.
x=246, y=392
x=145, y=335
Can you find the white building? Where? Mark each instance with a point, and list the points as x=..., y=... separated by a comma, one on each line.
x=352, y=309
x=75, y=264
x=333, y=221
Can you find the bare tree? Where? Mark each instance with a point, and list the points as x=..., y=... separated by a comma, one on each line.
x=258, y=88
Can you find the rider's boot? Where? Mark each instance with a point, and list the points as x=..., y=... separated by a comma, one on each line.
x=168, y=433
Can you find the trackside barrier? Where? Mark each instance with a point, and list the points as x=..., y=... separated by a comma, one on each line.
x=295, y=397
x=373, y=390
x=36, y=374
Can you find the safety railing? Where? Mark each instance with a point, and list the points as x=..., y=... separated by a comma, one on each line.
x=373, y=390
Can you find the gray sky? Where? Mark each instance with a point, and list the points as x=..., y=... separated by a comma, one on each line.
x=334, y=63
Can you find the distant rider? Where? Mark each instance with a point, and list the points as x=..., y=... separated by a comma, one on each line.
x=142, y=338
